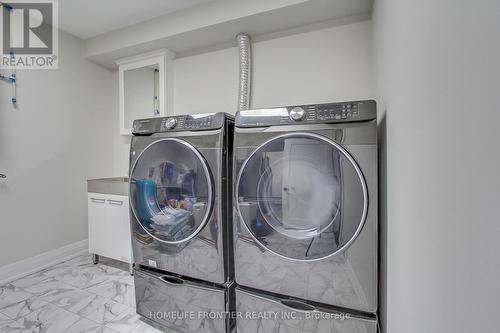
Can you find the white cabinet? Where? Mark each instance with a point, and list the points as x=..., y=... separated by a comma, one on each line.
x=109, y=226
x=145, y=87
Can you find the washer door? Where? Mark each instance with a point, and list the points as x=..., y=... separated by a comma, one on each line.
x=301, y=196
x=171, y=190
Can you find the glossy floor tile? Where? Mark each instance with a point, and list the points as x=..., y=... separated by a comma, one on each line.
x=75, y=296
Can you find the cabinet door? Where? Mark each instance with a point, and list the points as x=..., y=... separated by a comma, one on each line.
x=109, y=226
x=119, y=239
x=97, y=217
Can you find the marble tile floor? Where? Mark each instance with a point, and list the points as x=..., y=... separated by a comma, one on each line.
x=72, y=297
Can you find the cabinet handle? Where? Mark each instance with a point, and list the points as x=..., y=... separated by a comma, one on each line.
x=115, y=202
x=98, y=200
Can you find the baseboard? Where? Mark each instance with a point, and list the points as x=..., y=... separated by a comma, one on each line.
x=34, y=264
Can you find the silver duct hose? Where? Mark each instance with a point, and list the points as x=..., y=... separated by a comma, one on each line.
x=243, y=40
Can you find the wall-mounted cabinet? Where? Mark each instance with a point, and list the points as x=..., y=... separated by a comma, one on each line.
x=145, y=85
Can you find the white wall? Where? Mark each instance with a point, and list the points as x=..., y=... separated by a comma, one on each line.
x=325, y=65
x=56, y=139
x=438, y=82
x=332, y=64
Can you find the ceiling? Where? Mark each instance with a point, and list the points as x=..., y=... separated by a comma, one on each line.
x=89, y=18
x=213, y=25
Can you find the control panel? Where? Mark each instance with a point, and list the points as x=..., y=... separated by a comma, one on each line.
x=310, y=114
x=195, y=122
x=338, y=111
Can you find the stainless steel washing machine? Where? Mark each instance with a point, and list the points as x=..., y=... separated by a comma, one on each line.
x=180, y=199
x=305, y=206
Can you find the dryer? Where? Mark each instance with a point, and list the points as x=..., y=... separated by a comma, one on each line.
x=180, y=197
x=305, y=207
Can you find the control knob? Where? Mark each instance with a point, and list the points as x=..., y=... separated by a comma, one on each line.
x=297, y=113
x=171, y=123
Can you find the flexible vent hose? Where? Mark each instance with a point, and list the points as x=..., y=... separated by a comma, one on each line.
x=243, y=40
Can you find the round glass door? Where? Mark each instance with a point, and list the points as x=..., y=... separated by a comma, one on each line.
x=171, y=191
x=301, y=196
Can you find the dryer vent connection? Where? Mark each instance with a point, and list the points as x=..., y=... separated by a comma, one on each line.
x=243, y=40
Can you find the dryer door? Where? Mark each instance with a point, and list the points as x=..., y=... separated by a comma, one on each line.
x=171, y=190
x=301, y=196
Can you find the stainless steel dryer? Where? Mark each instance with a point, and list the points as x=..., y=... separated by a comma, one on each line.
x=305, y=202
x=180, y=217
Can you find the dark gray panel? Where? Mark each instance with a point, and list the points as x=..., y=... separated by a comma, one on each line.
x=329, y=113
x=180, y=304
x=194, y=122
x=346, y=279
x=282, y=314
x=209, y=255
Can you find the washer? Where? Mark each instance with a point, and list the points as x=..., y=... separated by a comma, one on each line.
x=180, y=214
x=305, y=206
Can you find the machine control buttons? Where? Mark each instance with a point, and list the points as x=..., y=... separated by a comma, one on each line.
x=336, y=112
x=198, y=123
x=297, y=113
x=171, y=123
